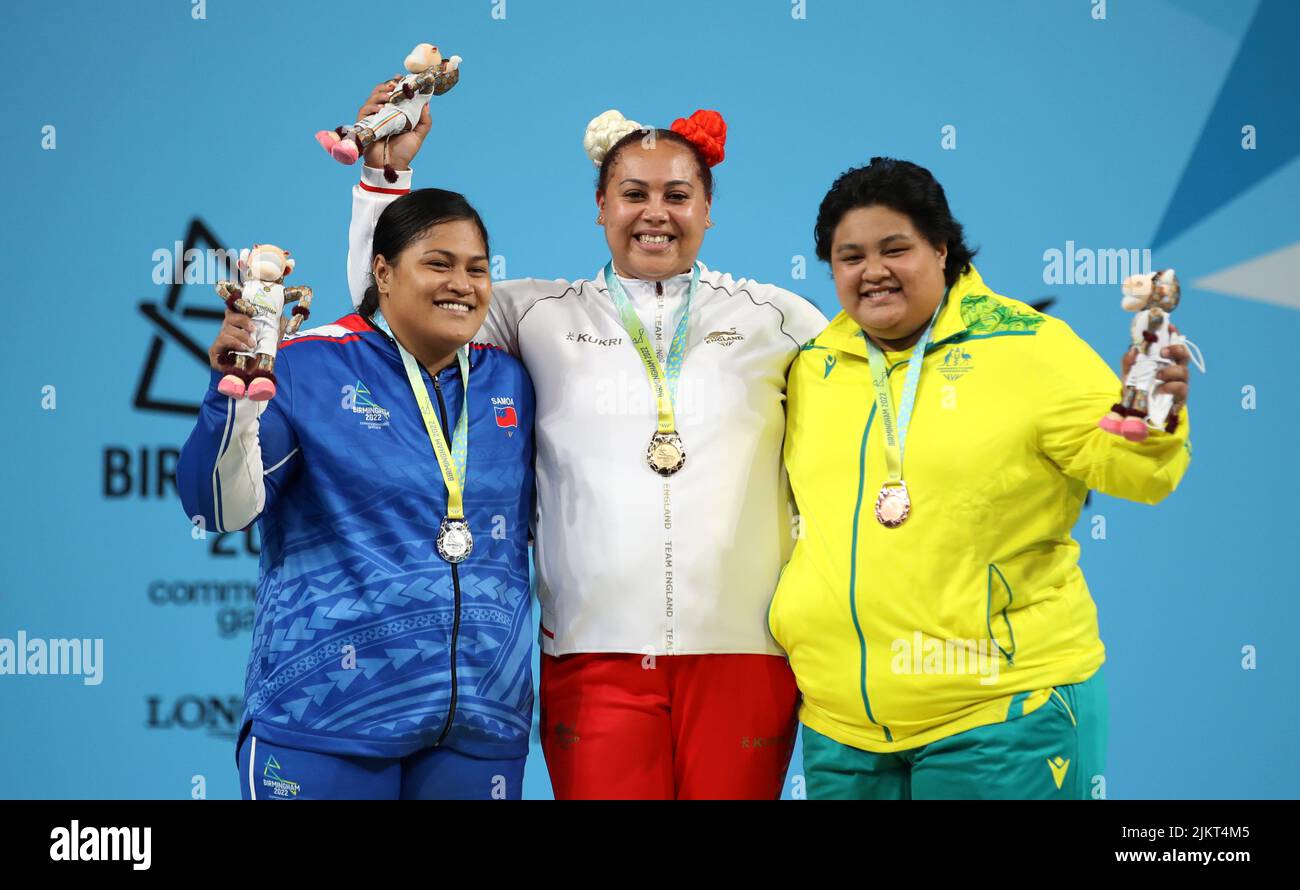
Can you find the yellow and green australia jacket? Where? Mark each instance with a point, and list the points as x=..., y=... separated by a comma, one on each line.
x=975, y=607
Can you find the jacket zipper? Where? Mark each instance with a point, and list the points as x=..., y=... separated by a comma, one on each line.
x=853, y=575
x=853, y=607
x=862, y=469
x=455, y=583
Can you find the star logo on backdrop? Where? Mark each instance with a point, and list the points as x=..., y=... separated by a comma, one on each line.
x=180, y=329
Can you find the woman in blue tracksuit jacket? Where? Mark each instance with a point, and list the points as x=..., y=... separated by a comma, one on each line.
x=379, y=668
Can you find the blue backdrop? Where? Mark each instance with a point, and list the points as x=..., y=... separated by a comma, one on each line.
x=1055, y=125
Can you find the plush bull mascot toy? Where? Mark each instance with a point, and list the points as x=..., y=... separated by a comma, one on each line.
x=430, y=75
x=1153, y=296
x=261, y=297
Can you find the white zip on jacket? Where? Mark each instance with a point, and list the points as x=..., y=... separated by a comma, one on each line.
x=627, y=560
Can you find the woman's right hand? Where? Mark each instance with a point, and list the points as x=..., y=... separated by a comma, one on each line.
x=403, y=147
x=236, y=333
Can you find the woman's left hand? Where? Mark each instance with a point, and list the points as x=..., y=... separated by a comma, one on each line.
x=1174, y=378
x=402, y=147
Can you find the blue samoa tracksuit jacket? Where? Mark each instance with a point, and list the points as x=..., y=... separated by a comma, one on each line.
x=366, y=642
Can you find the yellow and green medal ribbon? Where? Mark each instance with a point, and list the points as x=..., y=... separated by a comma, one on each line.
x=452, y=461
x=663, y=379
x=894, y=492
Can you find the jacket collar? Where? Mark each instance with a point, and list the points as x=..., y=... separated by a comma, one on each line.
x=388, y=346
x=683, y=278
x=844, y=334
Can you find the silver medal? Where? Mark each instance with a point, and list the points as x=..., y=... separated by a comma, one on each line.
x=455, y=543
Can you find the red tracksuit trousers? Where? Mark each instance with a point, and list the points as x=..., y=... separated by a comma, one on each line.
x=617, y=725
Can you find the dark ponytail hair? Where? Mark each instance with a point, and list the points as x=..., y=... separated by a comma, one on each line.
x=408, y=219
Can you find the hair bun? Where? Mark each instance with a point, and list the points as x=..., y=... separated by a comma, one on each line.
x=604, y=130
x=707, y=131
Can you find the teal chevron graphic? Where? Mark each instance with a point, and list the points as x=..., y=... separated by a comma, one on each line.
x=1257, y=93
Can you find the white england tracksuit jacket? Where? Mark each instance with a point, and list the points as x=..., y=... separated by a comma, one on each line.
x=627, y=560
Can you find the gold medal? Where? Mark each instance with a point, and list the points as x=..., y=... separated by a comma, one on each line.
x=893, y=505
x=665, y=453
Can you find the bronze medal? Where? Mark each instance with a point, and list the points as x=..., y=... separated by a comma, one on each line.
x=893, y=505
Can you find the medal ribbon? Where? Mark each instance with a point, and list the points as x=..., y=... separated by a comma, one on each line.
x=452, y=461
x=662, y=381
x=896, y=433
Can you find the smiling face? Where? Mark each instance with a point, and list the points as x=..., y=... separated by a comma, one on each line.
x=888, y=278
x=435, y=294
x=655, y=209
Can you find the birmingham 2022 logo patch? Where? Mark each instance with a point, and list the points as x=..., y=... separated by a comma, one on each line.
x=280, y=786
x=358, y=400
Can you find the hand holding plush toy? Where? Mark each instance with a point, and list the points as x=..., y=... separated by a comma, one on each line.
x=430, y=75
x=261, y=297
x=1153, y=296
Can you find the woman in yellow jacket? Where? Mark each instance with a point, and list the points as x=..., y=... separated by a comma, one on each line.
x=934, y=612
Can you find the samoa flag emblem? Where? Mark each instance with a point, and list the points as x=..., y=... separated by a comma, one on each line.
x=506, y=416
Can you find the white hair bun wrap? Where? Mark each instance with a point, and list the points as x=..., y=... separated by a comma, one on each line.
x=603, y=131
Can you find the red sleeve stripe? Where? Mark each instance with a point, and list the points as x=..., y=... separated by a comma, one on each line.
x=296, y=340
x=353, y=322
x=374, y=188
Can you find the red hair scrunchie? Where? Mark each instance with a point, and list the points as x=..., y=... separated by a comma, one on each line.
x=707, y=131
